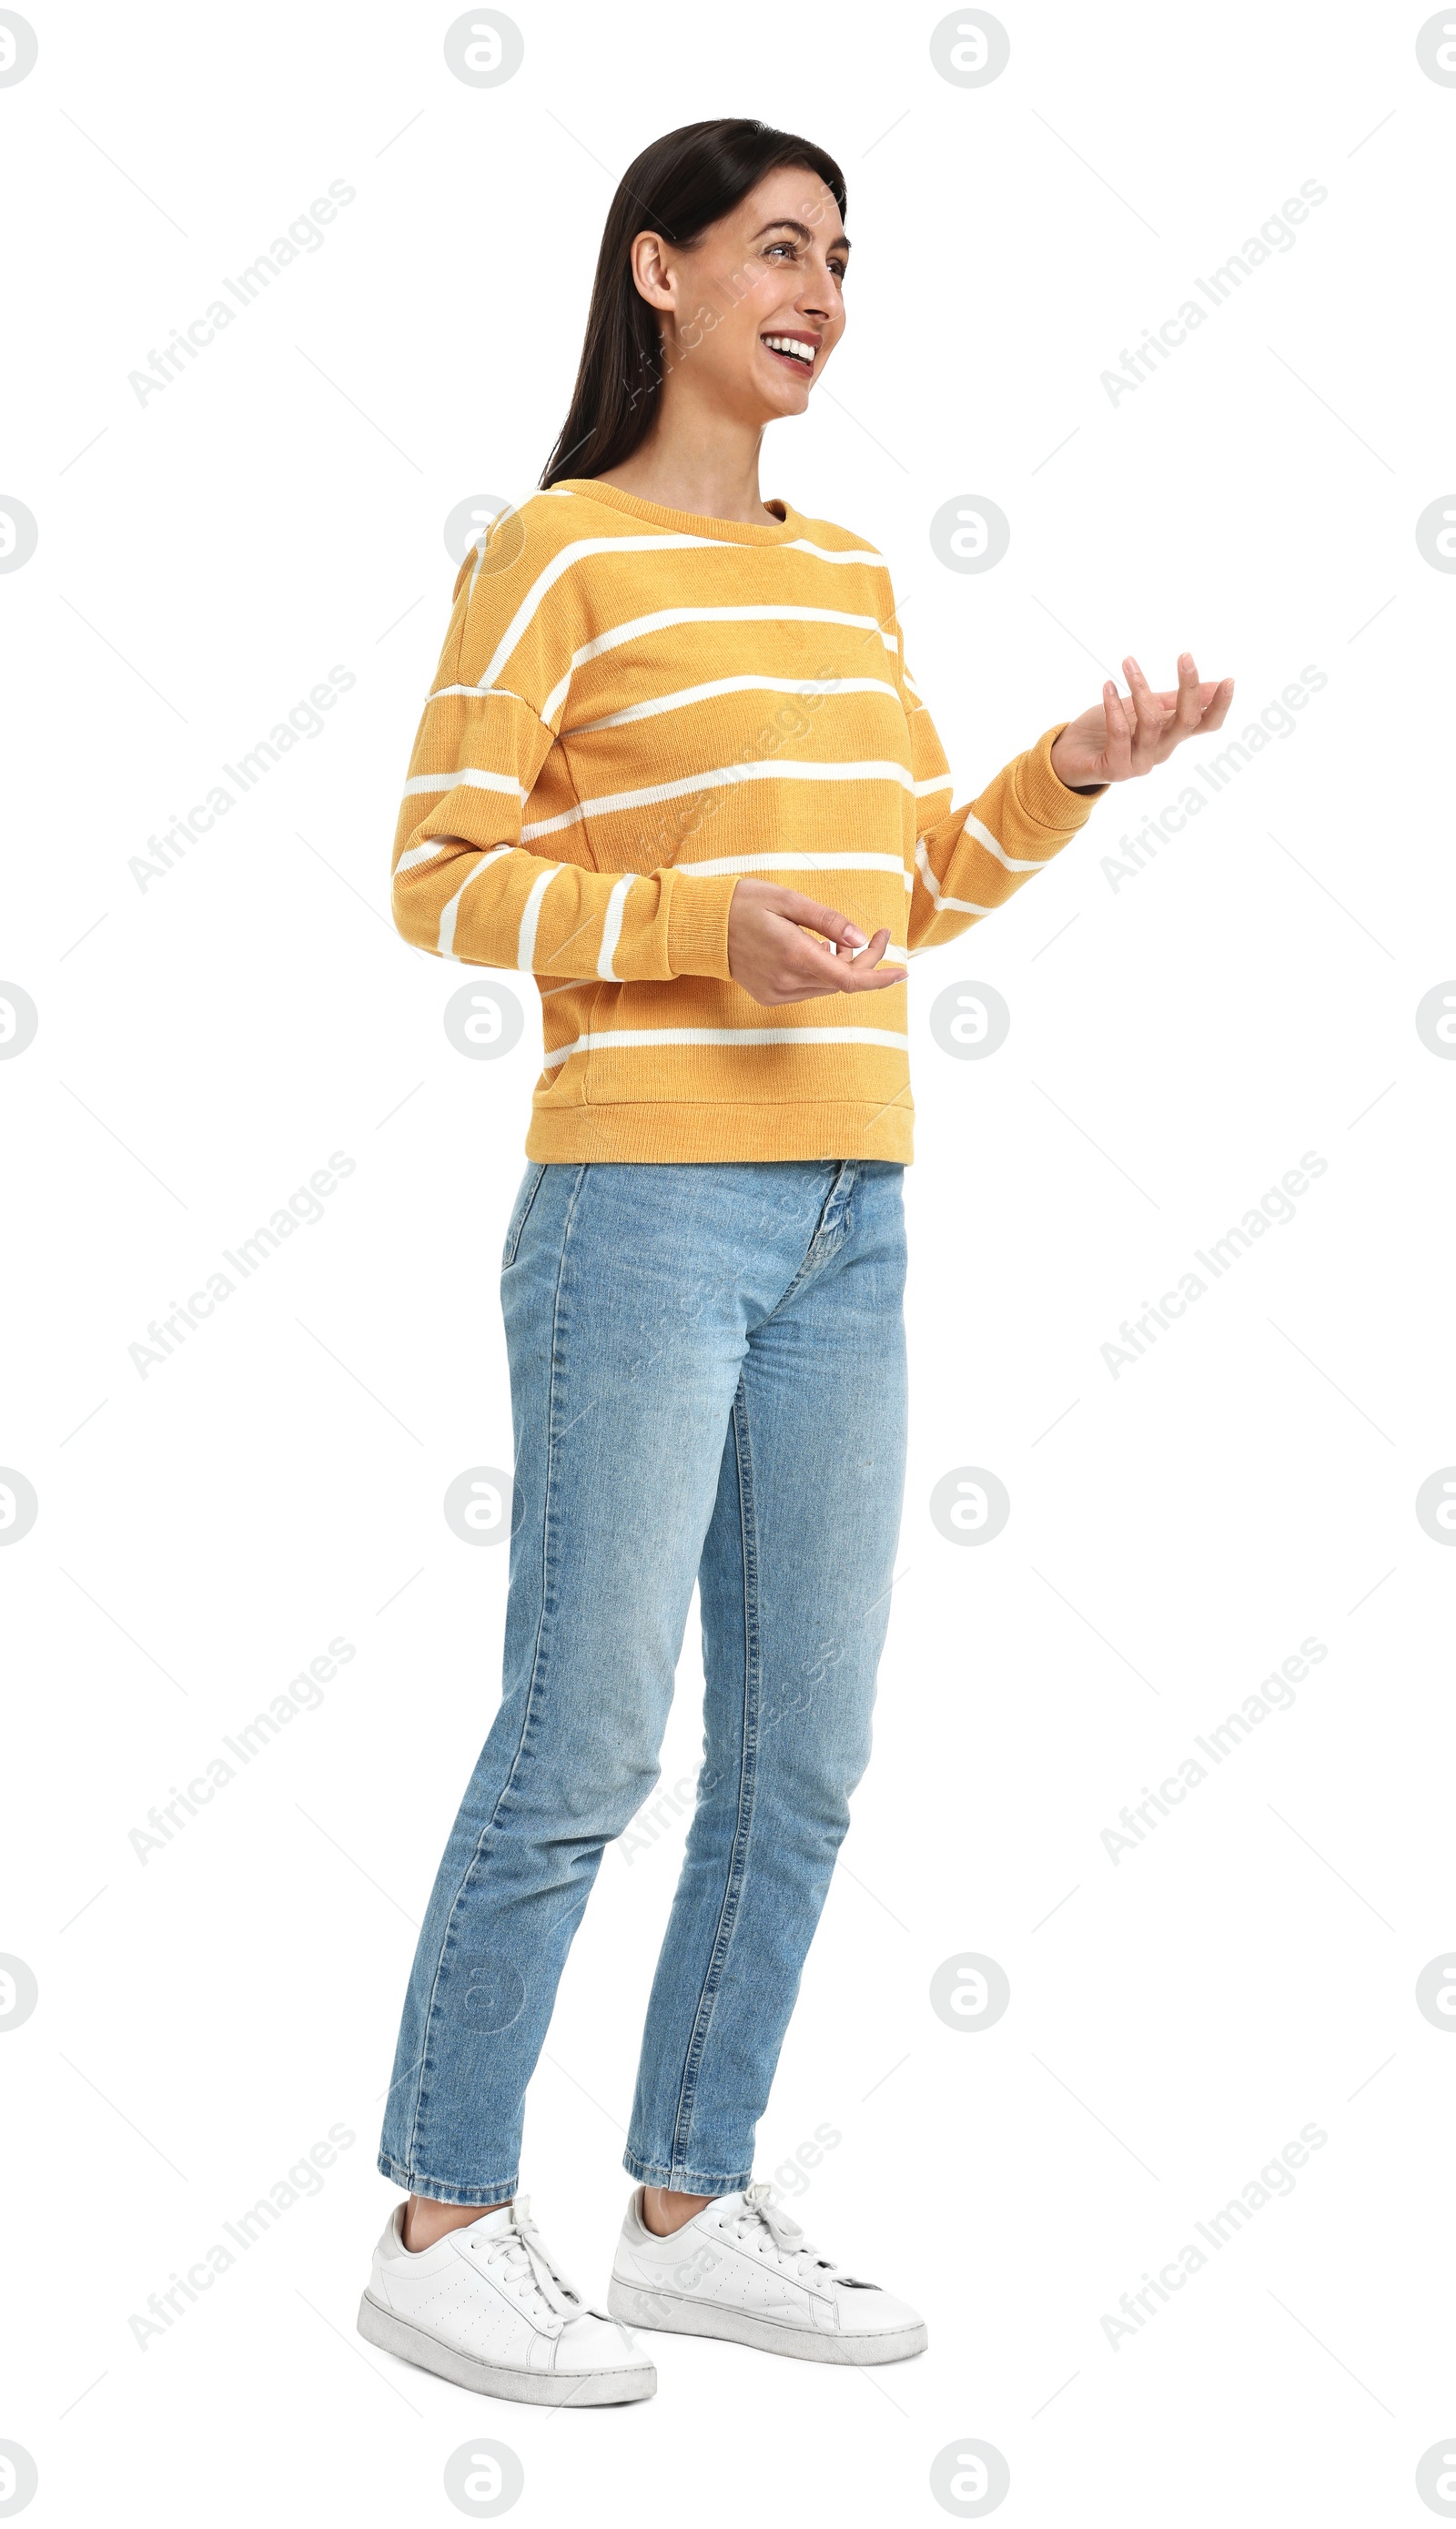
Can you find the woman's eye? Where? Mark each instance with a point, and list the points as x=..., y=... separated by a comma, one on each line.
x=785, y=246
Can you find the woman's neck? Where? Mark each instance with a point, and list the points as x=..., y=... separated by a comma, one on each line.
x=714, y=480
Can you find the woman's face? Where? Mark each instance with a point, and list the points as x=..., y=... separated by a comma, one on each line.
x=771, y=270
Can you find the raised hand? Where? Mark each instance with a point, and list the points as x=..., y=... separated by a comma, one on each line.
x=1125, y=735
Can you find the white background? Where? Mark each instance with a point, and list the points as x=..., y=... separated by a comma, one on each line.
x=1178, y=1040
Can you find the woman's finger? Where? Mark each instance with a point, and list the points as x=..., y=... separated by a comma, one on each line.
x=1119, y=734
x=824, y=918
x=1148, y=729
x=1189, y=710
x=864, y=971
x=808, y=967
x=1218, y=711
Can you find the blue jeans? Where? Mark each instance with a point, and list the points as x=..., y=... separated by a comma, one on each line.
x=708, y=1384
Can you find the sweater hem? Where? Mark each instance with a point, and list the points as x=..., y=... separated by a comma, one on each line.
x=821, y=1128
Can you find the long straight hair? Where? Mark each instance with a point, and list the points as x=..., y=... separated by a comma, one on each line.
x=678, y=187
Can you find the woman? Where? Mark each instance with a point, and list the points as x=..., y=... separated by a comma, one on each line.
x=661, y=703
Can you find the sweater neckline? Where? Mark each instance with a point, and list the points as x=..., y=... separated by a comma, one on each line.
x=733, y=531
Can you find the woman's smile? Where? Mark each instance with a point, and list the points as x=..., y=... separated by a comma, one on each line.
x=792, y=348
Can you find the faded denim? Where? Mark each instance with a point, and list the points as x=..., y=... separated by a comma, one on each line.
x=708, y=1384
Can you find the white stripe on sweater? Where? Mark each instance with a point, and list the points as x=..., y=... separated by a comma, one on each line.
x=525, y=946
x=666, y=617
x=468, y=777
x=687, y=694
x=559, y=563
x=447, y=917
x=984, y=836
x=725, y=862
x=420, y=852
x=612, y=927
x=713, y=777
x=802, y=1038
x=480, y=694
x=945, y=903
x=835, y=553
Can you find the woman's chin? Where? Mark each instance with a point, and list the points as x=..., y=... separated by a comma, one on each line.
x=785, y=397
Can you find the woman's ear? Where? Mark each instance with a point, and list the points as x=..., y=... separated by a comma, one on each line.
x=648, y=271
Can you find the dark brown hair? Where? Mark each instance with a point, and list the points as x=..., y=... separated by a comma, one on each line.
x=678, y=186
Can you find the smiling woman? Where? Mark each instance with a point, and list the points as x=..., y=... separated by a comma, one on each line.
x=663, y=703
x=738, y=213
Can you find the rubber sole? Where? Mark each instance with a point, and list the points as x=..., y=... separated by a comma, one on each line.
x=412, y=2343
x=677, y=2314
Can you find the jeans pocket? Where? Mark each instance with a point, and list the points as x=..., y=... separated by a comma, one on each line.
x=529, y=1188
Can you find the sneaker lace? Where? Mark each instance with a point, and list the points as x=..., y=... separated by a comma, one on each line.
x=761, y=2214
x=525, y=2260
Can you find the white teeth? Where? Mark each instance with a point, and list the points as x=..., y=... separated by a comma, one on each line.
x=798, y=350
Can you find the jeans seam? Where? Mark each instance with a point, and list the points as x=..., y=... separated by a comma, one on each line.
x=684, y=2182
x=826, y=1238
x=747, y=1780
x=515, y=1227
x=403, y=2173
x=531, y=1693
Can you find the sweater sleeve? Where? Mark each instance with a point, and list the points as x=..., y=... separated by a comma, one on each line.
x=969, y=860
x=465, y=885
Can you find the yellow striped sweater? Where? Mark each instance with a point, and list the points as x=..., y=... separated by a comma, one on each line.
x=634, y=706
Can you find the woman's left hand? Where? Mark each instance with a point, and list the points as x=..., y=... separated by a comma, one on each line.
x=1125, y=735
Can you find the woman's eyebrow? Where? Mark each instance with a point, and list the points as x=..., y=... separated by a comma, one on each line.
x=802, y=231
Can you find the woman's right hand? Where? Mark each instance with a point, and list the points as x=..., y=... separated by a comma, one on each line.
x=774, y=954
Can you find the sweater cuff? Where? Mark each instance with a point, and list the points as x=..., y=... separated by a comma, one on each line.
x=697, y=924
x=1044, y=796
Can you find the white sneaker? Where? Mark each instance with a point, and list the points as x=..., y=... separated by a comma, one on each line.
x=743, y=2269
x=488, y=2307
